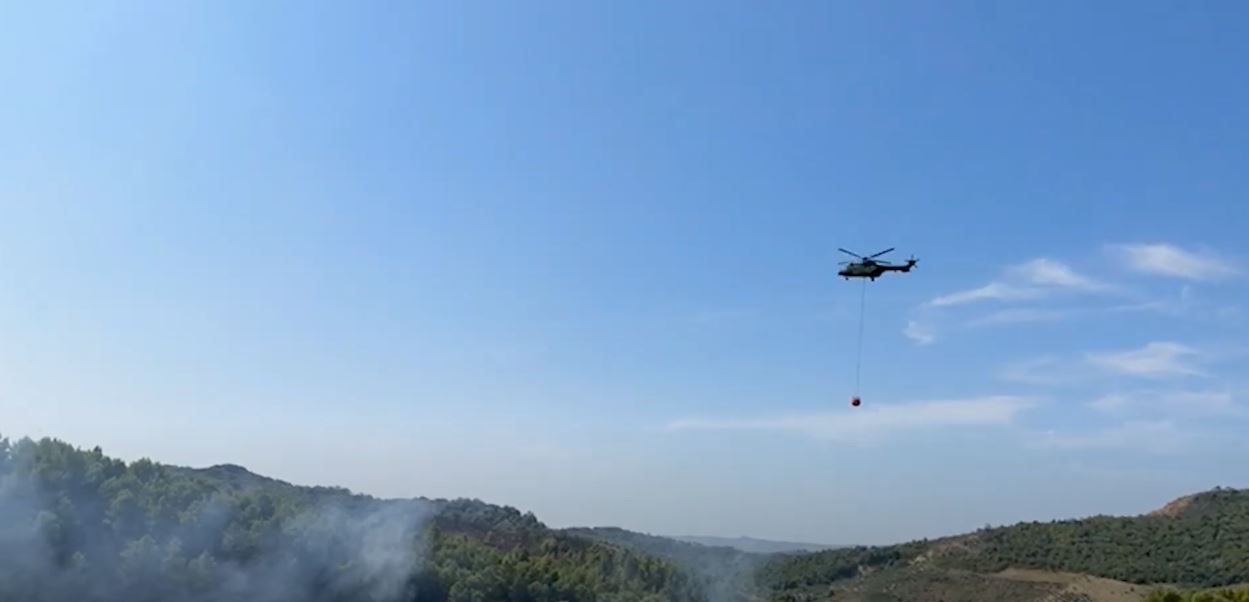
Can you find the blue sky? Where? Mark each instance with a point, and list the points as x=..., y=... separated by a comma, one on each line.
x=580, y=258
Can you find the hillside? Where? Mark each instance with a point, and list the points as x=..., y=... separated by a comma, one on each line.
x=1198, y=541
x=78, y=525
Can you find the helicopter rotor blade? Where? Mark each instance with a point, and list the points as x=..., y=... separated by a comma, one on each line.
x=881, y=253
x=850, y=253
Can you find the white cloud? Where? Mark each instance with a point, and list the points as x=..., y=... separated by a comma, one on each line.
x=1033, y=279
x=1170, y=260
x=1047, y=272
x=1159, y=436
x=1155, y=360
x=873, y=422
x=992, y=291
x=919, y=333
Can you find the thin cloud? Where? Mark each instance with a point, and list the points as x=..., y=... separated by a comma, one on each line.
x=1188, y=303
x=1184, y=301
x=1154, y=360
x=1179, y=403
x=1158, y=436
x=1208, y=402
x=1112, y=403
x=1046, y=370
x=874, y=422
x=721, y=316
x=919, y=333
x=1022, y=316
x=1170, y=260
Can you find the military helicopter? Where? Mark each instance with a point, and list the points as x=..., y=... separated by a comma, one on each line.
x=870, y=267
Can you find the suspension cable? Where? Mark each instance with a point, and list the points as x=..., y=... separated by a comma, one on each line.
x=858, y=360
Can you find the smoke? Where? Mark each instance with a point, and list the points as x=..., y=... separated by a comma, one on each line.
x=381, y=538
x=336, y=550
x=729, y=578
x=60, y=541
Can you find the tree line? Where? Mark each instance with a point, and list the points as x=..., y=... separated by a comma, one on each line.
x=1215, y=595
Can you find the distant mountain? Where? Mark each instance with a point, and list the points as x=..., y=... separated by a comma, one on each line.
x=755, y=546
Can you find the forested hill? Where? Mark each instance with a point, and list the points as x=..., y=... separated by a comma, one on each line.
x=1200, y=540
x=79, y=525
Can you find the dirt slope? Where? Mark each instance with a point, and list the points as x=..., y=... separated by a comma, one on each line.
x=925, y=584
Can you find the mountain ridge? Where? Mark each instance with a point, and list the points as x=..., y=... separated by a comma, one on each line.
x=755, y=545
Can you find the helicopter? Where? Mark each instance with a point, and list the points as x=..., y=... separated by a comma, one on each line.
x=870, y=267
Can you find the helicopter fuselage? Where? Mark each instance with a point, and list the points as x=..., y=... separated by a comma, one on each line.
x=871, y=269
